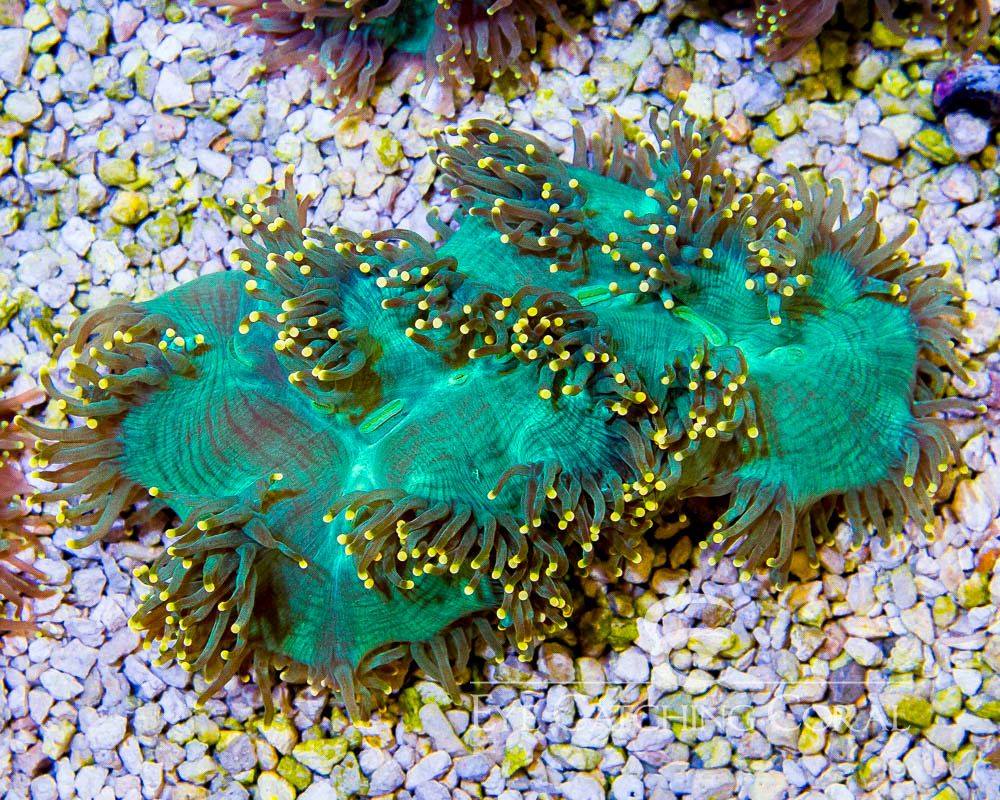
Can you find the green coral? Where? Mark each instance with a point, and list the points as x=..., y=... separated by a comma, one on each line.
x=381, y=448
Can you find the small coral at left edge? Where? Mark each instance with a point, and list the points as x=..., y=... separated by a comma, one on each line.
x=19, y=529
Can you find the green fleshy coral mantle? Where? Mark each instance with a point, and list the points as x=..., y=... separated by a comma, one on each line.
x=378, y=446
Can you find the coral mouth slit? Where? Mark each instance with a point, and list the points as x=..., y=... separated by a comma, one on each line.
x=398, y=451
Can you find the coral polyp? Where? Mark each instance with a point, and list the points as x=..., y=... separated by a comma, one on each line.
x=383, y=449
x=789, y=24
x=352, y=45
x=19, y=530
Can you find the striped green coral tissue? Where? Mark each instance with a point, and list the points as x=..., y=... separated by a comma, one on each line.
x=382, y=449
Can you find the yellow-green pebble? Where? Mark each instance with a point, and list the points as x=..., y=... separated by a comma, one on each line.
x=578, y=758
x=783, y=121
x=763, y=141
x=56, y=737
x=116, y=171
x=514, y=758
x=869, y=772
x=388, y=149
x=130, y=208
x=812, y=738
x=885, y=38
x=985, y=708
x=45, y=40
x=913, y=711
x=271, y=786
x=944, y=611
x=931, y=143
x=320, y=755
x=974, y=591
x=295, y=773
x=896, y=83
x=947, y=701
x=869, y=71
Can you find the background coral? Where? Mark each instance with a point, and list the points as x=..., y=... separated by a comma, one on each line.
x=19, y=530
x=788, y=24
x=351, y=45
x=377, y=446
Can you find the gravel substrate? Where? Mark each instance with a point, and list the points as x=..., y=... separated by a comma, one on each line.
x=124, y=126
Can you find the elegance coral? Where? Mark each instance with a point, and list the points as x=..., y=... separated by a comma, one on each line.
x=379, y=446
x=353, y=44
x=788, y=24
x=19, y=530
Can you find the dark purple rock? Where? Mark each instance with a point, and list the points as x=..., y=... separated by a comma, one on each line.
x=973, y=87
